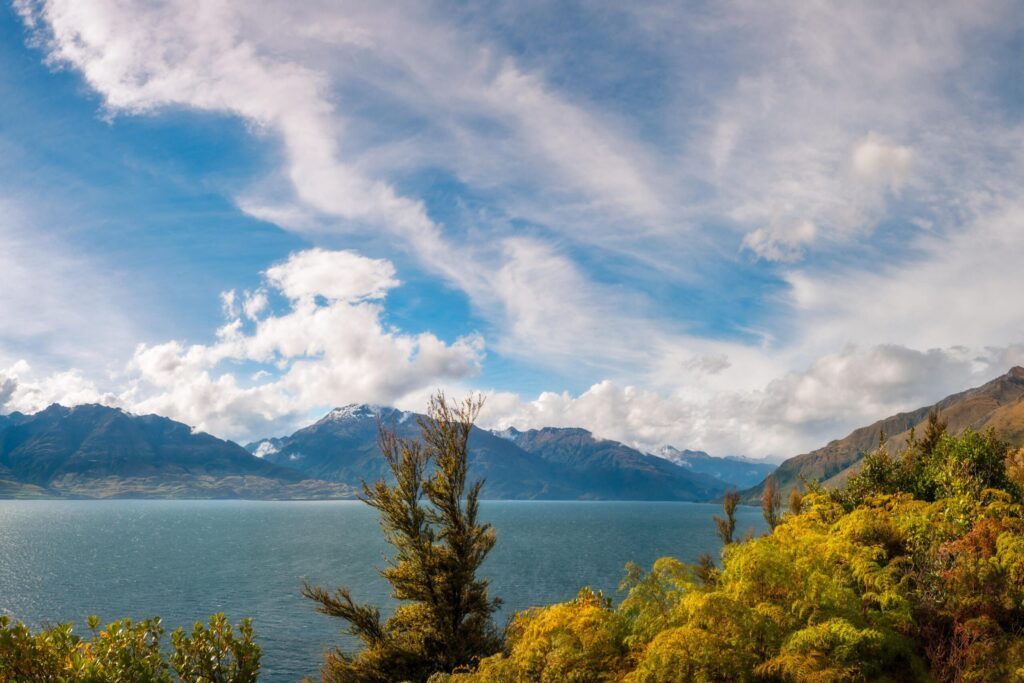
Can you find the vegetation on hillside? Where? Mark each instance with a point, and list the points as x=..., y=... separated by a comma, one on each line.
x=912, y=572
x=126, y=651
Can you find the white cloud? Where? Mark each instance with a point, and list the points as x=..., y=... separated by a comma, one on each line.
x=877, y=160
x=254, y=304
x=781, y=242
x=329, y=348
x=24, y=391
x=335, y=275
x=796, y=412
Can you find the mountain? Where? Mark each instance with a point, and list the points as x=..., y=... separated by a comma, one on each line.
x=609, y=469
x=735, y=471
x=998, y=404
x=94, y=451
x=342, y=447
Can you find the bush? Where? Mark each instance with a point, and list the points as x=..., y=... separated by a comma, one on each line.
x=913, y=572
x=126, y=651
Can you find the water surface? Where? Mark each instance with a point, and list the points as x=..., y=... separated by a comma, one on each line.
x=184, y=560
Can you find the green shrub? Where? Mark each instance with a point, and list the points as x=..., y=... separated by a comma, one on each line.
x=125, y=651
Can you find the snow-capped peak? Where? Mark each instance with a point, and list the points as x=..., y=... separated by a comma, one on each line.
x=367, y=411
x=354, y=410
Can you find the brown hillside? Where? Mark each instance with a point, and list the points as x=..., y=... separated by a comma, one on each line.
x=998, y=404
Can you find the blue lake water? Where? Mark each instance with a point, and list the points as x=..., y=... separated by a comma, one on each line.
x=184, y=560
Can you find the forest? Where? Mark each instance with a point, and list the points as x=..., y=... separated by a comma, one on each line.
x=912, y=571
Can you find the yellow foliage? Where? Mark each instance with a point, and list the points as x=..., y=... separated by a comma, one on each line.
x=581, y=641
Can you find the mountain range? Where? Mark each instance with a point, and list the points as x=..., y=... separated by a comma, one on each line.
x=735, y=470
x=998, y=404
x=551, y=463
x=93, y=451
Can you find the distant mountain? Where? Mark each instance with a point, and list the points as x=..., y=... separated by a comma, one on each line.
x=998, y=404
x=96, y=451
x=342, y=447
x=609, y=469
x=12, y=419
x=735, y=471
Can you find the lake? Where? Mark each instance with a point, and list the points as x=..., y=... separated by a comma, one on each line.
x=184, y=560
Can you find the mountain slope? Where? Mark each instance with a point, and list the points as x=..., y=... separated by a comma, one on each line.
x=342, y=447
x=998, y=404
x=96, y=451
x=609, y=469
x=734, y=471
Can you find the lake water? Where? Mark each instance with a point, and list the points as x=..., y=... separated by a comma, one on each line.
x=184, y=560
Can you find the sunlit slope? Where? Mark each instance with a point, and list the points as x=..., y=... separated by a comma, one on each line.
x=998, y=404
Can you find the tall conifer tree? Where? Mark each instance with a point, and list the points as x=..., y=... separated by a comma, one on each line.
x=429, y=515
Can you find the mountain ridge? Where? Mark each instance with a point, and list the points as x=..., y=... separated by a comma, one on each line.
x=736, y=470
x=92, y=450
x=341, y=446
x=998, y=403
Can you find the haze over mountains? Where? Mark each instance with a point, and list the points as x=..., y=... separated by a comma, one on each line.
x=998, y=404
x=735, y=470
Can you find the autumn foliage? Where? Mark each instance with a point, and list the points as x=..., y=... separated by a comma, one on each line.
x=912, y=572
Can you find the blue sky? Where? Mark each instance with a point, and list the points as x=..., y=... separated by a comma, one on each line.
x=743, y=226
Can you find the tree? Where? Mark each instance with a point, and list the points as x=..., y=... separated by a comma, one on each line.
x=727, y=527
x=431, y=520
x=932, y=433
x=771, y=501
x=796, y=500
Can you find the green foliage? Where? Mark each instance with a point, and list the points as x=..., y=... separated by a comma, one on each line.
x=913, y=572
x=125, y=651
x=215, y=654
x=726, y=526
x=430, y=518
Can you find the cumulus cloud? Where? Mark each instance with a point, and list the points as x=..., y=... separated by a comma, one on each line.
x=23, y=390
x=335, y=275
x=329, y=347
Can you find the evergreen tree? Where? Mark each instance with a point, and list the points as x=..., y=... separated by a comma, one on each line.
x=771, y=501
x=725, y=528
x=431, y=520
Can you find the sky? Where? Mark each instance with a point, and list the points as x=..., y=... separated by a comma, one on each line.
x=745, y=227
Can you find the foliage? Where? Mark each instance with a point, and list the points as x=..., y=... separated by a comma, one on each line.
x=214, y=654
x=128, y=651
x=771, y=501
x=726, y=527
x=913, y=572
x=431, y=521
